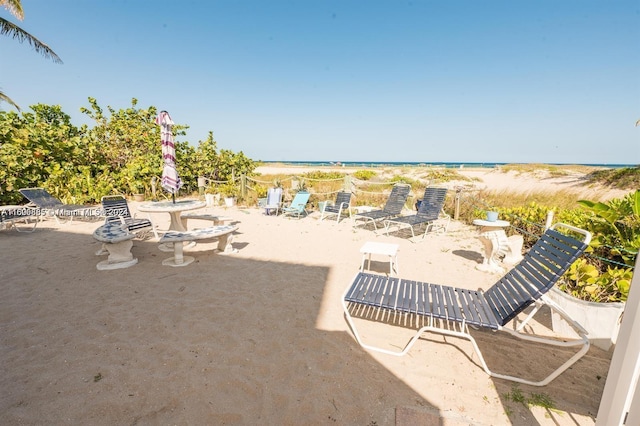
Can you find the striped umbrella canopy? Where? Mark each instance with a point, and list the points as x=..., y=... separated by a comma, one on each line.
x=170, y=180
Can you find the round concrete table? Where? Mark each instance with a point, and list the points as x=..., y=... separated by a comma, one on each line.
x=174, y=210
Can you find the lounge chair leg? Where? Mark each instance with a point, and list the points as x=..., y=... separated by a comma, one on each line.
x=26, y=222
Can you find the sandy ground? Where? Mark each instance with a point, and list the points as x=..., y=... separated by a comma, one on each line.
x=255, y=337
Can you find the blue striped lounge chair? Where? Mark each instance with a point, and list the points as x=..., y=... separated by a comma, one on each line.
x=392, y=208
x=429, y=211
x=451, y=311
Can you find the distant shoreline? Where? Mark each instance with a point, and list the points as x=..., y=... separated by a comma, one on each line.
x=448, y=165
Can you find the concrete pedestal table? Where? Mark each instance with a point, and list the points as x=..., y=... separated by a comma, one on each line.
x=495, y=242
x=174, y=210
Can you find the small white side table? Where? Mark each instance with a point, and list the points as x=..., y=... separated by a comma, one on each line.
x=384, y=249
x=363, y=209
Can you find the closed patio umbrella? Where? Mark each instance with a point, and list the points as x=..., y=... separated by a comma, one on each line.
x=170, y=180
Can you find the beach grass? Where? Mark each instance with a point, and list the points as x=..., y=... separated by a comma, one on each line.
x=373, y=185
x=625, y=178
x=560, y=199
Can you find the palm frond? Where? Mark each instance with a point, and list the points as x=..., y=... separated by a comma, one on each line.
x=8, y=100
x=14, y=31
x=14, y=7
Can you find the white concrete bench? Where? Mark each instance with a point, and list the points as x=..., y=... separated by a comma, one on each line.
x=222, y=233
x=117, y=242
x=217, y=220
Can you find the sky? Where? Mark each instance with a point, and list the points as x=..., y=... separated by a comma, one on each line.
x=506, y=81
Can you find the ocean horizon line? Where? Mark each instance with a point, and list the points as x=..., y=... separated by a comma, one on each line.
x=449, y=165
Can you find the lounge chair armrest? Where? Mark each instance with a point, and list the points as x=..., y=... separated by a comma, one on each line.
x=585, y=233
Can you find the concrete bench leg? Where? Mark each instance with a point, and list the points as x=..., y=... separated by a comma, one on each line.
x=120, y=256
x=103, y=250
x=178, y=258
x=224, y=244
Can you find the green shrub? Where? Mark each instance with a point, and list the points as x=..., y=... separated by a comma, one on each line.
x=586, y=281
x=121, y=153
x=364, y=174
x=616, y=227
x=319, y=175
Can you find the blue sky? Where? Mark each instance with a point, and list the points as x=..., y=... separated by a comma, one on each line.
x=457, y=81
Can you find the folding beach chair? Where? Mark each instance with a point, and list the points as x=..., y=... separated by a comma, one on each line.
x=429, y=211
x=392, y=208
x=298, y=205
x=116, y=209
x=50, y=205
x=274, y=201
x=451, y=311
x=340, y=205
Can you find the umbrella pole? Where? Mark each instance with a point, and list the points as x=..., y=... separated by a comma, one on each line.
x=173, y=197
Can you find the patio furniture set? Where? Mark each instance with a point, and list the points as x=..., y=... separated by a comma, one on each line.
x=118, y=243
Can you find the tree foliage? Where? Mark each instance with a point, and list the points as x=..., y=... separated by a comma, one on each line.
x=120, y=153
x=35, y=147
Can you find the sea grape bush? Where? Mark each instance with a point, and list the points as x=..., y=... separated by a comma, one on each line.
x=600, y=276
x=587, y=281
x=616, y=223
x=525, y=219
x=120, y=153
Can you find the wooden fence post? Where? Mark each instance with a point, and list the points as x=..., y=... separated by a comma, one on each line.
x=243, y=186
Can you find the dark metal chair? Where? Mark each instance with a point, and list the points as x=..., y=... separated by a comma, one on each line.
x=341, y=204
